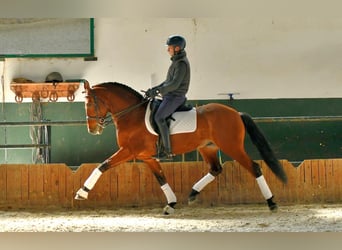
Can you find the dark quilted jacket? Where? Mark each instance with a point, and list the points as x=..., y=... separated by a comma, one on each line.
x=178, y=76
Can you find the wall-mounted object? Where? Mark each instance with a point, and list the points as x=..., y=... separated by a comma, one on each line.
x=47, y=37
x=50, y=91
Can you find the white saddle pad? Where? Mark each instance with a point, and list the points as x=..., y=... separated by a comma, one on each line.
x=182, y=122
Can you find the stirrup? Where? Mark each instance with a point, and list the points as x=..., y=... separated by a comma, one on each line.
x=163, y=156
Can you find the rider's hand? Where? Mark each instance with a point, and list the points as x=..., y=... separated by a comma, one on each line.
x=152, y=92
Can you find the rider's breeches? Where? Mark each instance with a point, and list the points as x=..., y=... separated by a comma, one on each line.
x=168, y=105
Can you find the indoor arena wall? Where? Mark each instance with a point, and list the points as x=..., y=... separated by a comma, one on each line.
x=44, y=186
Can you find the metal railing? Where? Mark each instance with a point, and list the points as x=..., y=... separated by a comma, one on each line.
x=297, y=119
x=42, y=123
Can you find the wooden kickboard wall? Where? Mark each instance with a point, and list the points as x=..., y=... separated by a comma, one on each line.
x=44, y=186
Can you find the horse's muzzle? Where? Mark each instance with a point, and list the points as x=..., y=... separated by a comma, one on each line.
x=96, y=131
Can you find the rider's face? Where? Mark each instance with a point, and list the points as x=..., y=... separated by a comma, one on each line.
x=172, y=50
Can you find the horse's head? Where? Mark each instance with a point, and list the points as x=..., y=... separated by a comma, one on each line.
x=96, y=111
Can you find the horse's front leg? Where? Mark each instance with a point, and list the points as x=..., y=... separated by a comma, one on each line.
x=122, y=155
x=169, y=194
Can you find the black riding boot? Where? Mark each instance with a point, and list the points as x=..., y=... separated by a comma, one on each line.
x=164, y=133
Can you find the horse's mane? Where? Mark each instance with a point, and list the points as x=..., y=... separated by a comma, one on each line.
x=120, y=85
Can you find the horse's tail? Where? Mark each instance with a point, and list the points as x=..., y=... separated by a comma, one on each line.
x=263, y=147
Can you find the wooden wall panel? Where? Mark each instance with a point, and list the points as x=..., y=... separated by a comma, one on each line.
x=292, y=190
x=145, y=187
x=14, y=183
x=3, y=183
x=65, y=186
x=334, y=180
x=133, y=184
x=329, y=170
x=24, y=183
x=128, y=184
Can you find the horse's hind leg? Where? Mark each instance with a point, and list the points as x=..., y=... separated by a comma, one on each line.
x=264, y=188
x=165, y=187
x=209, y=154
x=254, y=168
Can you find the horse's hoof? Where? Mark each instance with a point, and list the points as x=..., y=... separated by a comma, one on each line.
x=192, y=199
x=273, y=208
x=169, y=209
x=272, y=205
x=81, y=195
x=78, y=197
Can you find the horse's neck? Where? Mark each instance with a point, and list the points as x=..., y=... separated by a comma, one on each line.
x=120, y=106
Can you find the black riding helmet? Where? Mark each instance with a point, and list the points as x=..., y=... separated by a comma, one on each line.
x=176, y=40
x=54, y=77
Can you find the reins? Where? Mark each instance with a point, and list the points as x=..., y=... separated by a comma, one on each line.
x=104, y=121
x=129, y=109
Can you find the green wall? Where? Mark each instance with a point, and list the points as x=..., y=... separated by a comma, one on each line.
x=298, y=140
x=71, y=144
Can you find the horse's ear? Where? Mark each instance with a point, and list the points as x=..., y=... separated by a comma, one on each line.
x=86, y=85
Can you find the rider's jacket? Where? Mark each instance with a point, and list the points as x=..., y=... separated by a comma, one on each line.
x=178, y=77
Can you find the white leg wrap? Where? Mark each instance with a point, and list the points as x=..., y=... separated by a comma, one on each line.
x=92, y=179
x=265, y=190
x=170, y=195
x=203, y=182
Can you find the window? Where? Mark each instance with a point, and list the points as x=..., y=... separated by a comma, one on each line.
x=46, y=37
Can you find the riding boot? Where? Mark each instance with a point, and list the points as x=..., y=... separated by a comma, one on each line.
x=164, y=133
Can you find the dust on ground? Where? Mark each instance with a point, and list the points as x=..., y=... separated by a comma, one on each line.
x=232, y=218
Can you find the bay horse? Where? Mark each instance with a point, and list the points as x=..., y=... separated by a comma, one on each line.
x=219, y=127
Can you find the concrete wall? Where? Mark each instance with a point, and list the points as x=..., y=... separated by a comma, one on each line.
x=257, y=57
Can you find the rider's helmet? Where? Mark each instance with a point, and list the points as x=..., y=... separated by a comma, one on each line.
x=176, y=40
x=54, y=77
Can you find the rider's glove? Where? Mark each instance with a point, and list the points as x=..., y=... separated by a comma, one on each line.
x=152, y=92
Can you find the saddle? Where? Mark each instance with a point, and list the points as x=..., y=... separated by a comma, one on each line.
x=155, y=103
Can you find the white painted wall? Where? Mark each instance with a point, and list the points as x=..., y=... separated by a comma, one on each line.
x=257, y=57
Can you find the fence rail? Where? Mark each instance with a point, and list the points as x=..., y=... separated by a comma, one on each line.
x=298, y=119
x=42, y=123
x=265, y=119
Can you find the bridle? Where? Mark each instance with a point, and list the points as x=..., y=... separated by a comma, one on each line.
x=103, y=121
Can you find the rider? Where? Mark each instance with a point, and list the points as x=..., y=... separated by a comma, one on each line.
x=173, y=90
